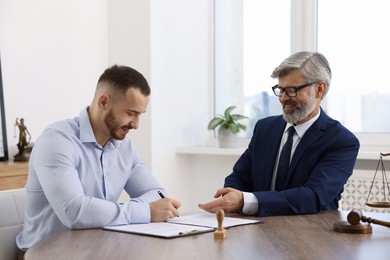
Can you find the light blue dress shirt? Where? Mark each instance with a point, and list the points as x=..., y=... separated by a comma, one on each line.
x=74, y=183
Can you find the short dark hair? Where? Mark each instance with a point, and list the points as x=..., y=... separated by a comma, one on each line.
x=123, y=78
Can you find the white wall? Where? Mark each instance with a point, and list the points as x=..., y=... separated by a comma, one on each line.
x=52, y=53
x=129, y=44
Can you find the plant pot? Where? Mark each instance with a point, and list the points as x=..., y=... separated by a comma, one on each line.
x=226, y=138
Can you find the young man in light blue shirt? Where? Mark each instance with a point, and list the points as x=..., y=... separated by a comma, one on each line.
x=79, y=167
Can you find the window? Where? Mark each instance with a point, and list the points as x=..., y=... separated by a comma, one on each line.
x=358, y=50
x=252, y=37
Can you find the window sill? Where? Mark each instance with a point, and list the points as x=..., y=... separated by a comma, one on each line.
x=212, y=150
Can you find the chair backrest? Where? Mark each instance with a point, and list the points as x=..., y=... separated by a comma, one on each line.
x=12, y=203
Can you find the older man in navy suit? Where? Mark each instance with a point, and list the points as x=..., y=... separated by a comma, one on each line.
x=320, y=153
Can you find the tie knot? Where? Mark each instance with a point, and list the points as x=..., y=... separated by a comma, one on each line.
x=291, y=131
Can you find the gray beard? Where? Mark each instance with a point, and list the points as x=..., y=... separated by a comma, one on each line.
x=301, y=112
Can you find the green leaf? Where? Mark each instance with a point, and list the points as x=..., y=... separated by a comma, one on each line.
x=215, y=122
x=234, y=128
x=241, y=126
x=238, y=117
x=228, y=111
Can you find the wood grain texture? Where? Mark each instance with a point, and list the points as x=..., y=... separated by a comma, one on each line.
x=13, y=175
x=279, y=237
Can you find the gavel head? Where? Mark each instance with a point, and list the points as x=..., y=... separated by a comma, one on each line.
x=354, y=217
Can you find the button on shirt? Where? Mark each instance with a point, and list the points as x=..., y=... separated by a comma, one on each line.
x=74, y=183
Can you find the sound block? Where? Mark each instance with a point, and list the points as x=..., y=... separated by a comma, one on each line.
x=346, y=227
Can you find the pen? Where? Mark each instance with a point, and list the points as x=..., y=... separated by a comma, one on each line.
x=161, y=195
x=188, y=232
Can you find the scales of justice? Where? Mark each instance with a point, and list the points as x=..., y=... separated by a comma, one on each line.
x=355, y=217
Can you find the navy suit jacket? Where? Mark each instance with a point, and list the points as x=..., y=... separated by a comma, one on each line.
x=321, y=165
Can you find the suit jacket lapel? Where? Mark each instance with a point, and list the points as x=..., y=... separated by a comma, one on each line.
x=275, y=136
x=313, y=133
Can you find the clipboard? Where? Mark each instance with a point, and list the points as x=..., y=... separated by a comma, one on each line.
x=161, y=229
x=181, y=226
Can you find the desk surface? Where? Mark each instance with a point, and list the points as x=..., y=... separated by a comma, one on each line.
x=279, y=237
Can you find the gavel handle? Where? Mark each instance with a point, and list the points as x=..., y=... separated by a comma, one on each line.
x=375, y=221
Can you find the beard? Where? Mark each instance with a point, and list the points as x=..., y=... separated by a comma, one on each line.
x=301, y=111
x=117, y=131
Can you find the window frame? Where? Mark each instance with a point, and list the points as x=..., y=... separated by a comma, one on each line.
x=304, y=31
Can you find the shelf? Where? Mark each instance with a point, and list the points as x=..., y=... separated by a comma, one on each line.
x=370, y=155
x=211, y=150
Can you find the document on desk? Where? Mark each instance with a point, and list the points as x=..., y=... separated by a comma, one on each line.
x=181, y=226
x=210, y=220
x=160, y=229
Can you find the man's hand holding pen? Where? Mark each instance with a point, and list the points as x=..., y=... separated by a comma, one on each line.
x=163, y=209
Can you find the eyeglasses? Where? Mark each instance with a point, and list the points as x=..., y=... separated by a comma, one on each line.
x=290, y=91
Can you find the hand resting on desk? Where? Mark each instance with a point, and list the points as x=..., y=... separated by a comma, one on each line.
x=228, y=199
x=164, y=209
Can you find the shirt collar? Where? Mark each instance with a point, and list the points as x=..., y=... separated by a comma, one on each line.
x=302, y=128
x=86, y=132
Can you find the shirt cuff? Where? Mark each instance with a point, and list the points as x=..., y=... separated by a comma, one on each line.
x=251, y=204
x=140, y=212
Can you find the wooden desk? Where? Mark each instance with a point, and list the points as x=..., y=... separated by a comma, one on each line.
x=13, y=175
x=281, y=237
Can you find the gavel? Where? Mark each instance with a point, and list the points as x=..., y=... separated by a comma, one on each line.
x=353, y=224
x=355, y=216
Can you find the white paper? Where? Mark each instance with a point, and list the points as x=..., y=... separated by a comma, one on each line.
x=210, y=220
x=160, y=229
x=181, y=226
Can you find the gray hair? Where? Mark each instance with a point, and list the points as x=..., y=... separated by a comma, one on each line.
x=313, y=66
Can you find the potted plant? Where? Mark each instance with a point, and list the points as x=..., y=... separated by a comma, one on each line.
x=228, y=127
